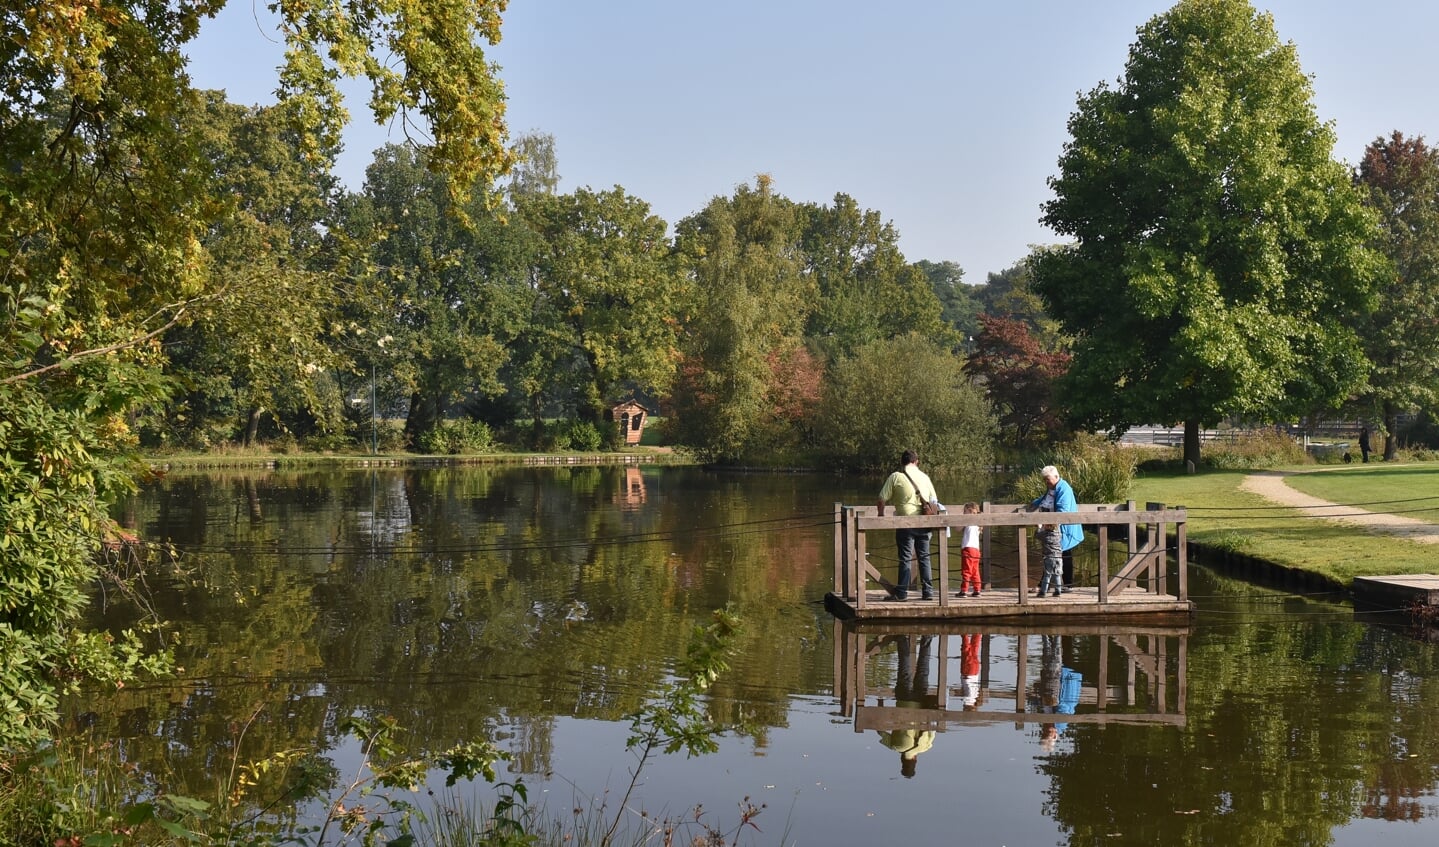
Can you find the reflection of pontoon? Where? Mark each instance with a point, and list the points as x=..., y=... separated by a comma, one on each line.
x=1138, y=676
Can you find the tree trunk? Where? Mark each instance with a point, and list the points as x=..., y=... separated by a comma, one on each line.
x=252, y=426
x=537, y=426
x=423, y=416
x=1191, y=445
x=1391, y=424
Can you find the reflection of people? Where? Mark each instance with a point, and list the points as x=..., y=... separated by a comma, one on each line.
x=1057, y=691
x=907, y=489
x=911, y=691
x=969, y=670
x=1060, y=498
x=1364, y=443
x=969, y=556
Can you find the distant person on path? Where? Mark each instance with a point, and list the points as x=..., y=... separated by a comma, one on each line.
x=969, y=556
x=1060, y=498
x=911, y=691
x=1364, y=444
x=908, y=489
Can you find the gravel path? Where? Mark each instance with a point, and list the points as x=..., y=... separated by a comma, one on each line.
x=1271, y=486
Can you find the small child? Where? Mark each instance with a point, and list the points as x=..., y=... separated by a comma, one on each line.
x=969, y=556
x=1049, y=542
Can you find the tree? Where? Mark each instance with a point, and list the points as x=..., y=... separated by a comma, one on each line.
x=868, y=417
x=1220, y=256
x=1400, y=178
x=536, y=169
x=107, y=201
x=866, y=290
x=445, y=284
x=606, y=291
x=958, y=304
x=749, y=302
x=1019, y=377
x=260, y=347
x=1010, y=294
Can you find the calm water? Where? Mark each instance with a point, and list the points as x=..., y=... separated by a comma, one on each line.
x=538, y=607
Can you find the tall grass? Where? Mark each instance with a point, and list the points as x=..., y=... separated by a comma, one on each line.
x=1098, y=470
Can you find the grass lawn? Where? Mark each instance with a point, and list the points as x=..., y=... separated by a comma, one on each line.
x=1409, y=490
x=1224, y=517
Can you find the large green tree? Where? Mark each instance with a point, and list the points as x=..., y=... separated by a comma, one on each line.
x=1220, y=254
x=260, y=347
x=1400, y=179
x=108, y=201
x=866, y=290
x=443, y=289
x=747, y=311
x=606, y=292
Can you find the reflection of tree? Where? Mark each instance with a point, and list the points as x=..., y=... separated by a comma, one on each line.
x=1299, y=765
x=479, y=601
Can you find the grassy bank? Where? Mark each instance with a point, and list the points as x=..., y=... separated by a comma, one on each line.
x=1224, y=517
x=236, y=458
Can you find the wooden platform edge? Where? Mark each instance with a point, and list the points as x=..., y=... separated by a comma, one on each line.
x=1395, y=591
x=1178, y=611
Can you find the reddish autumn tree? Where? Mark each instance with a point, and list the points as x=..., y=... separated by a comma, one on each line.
x=1018, y=375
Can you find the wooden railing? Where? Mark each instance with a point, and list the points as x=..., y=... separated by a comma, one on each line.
x=1112, y=524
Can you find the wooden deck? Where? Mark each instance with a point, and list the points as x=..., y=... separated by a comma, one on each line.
x=1138, y=583
x=1080, y=603
x=1396, y=592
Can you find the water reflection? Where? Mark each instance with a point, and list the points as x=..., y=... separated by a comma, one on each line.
x=537, y=607
x=1095, y=675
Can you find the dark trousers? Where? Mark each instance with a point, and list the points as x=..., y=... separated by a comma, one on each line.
x=912, y=544
x=1068, y=559
x=913, y=682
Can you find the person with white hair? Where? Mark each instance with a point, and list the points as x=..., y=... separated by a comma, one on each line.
x=1060, y=498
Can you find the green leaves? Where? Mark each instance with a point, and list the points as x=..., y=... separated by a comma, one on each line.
x=1219, y=257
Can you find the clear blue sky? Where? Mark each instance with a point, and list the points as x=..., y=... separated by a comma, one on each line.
x=946, y=116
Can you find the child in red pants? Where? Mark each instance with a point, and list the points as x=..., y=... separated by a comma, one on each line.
x=969, y=556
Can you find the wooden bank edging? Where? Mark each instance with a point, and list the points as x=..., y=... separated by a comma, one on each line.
x=306, y=460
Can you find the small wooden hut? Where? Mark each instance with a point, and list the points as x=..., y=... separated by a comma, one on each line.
x=630, y=417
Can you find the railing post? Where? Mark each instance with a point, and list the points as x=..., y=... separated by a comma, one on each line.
x=861, y=560
x=1023, y=577
x=1159, y=544
x=1021, y=671
x=839, y=551
x=1133, y=534
x=986, y=581
x=1103, y=563
x=942, y=537
x=1182, y=555
x=1103, y=696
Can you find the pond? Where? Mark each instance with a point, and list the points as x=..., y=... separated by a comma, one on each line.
x=538, y=607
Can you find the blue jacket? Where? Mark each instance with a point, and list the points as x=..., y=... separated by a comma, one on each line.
x=1070, y=534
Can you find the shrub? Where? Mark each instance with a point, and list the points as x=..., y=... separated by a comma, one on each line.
x=332, y=442
x=1254, y=450
x=584, y=435
x=1098, y=470
x=571, y=434
x=457, y=437
x=900, y=394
